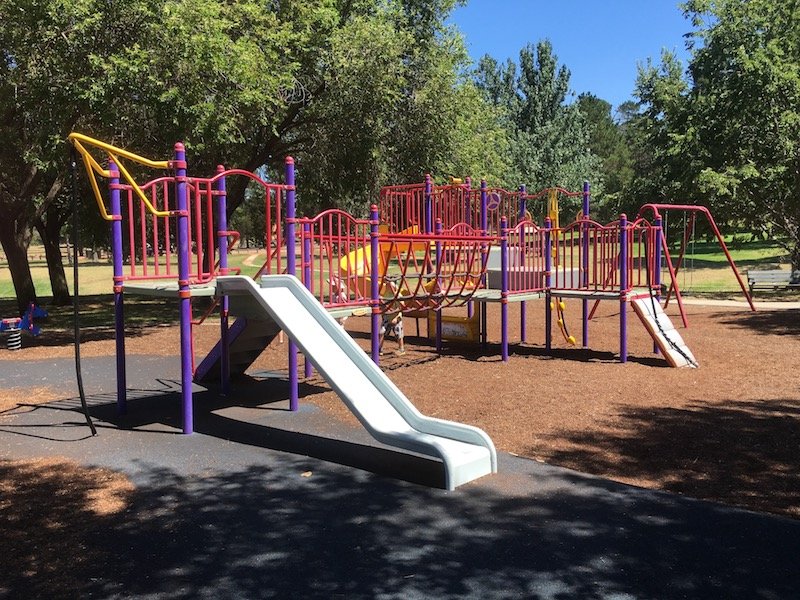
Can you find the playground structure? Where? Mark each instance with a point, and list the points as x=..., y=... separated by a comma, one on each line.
x=424, y=247
x=16, y=325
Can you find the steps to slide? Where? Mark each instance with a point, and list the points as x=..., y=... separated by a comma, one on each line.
x=248, y=337
x=663, y=332
x=467, y=452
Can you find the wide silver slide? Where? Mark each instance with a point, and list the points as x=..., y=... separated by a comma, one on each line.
x=466, y=451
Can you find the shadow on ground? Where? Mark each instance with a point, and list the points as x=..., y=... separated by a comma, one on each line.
x=255, y=533
x=740, y=453
x=211, y=418
x=764, y=322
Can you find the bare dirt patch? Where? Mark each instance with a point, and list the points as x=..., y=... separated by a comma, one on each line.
x=49, y=511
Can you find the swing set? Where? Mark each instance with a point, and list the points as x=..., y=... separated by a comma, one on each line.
x=690, y=212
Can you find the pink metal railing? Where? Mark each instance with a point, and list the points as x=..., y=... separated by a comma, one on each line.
x=150, y=241
x=402, y=206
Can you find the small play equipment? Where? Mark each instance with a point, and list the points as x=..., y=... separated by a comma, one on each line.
x=16, y=325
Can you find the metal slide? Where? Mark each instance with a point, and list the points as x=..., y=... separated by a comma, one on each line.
x=467, y=452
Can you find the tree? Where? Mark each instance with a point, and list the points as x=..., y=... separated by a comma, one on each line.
x=611, y=141
x=549, y=136
x=38, y=56
x=730, y=133
x=241, y=83
x=395, y=107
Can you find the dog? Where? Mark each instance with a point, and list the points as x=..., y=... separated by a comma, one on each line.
x=392, y=326
x=391, y=321
x=339, y=293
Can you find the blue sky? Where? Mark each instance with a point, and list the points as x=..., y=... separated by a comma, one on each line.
x=600, y=41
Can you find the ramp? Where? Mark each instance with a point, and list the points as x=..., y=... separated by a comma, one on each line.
x=466, y=452
x=663, y=332
x=247, y=338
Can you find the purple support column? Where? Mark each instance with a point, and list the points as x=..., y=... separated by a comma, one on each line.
x=374, y=283
x=548, y=279
x=504, y=287
x=291, y=267
x=484, y=227
x=438, y=311
x=428, y=205
x=484, y=209
x=119, y=306
x=184, y=293
x=523, y=196
x=222, y=244
x=623, y=288
x=305, y=261
x=468, y=200
x=468, y=220
x=656, y=267
x=585, y=261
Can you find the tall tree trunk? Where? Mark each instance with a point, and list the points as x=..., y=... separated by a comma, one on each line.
x=15, y=244
x=50, y=232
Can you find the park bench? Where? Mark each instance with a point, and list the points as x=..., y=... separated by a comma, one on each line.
x=773, y=280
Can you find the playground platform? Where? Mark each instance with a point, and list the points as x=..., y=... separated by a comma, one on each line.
x=260, y=503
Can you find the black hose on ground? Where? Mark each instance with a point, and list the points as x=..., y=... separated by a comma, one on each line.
x=75, y=291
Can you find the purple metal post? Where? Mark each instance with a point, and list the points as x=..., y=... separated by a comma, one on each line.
x=623, y=288
x=305, y=260
x=523, y=326
x=374, y=286
x=484, y=208
x=585, y=261
x=468, y=200
x=428, y=205
x=291, y=267
x=468, y=220
x=484, y=227
x=184, y=292
x=438, y=311
x=504, y=287
x=119, y=305
x=222, y=244
x=548, y=278
x=656, y=267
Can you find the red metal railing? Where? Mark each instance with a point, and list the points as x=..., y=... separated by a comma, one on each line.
x=336, y=258
x=526, y=258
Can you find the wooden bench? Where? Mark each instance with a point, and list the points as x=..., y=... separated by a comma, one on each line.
x=773, y=280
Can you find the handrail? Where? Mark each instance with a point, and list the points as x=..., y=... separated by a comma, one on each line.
x=153, y=164
x=559, y=190
x=92, y=167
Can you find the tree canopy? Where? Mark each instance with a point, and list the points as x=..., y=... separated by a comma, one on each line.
x=361, y=92
x=549, y=137
x=728, y=134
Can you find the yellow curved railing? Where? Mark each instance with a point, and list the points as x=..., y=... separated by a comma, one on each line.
x=93, y=168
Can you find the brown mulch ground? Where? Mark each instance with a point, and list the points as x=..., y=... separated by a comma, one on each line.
x=47, y=539
x=728, y=431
